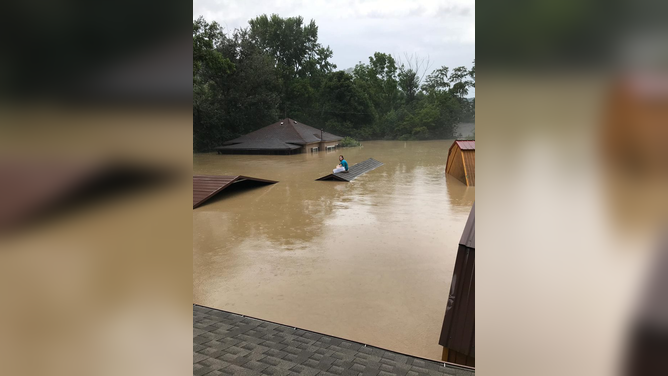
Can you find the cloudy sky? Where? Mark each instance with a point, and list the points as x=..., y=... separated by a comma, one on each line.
x=441, y=30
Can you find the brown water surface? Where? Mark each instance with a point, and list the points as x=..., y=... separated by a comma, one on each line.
x=370, y=260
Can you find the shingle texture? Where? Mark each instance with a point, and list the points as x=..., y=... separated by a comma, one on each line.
x=286, y=134
x=228, y=344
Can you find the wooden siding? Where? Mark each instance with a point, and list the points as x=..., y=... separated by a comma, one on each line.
x=457, y=166
x=469, y=165
x=461, y=164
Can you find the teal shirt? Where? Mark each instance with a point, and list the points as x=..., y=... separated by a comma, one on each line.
x=344, y=164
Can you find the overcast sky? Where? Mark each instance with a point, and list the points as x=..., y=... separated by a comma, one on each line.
x=442, y=30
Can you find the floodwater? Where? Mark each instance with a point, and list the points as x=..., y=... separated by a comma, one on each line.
x=370, y=260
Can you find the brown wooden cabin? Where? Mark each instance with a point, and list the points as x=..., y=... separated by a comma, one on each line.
x=458, y=331
x=461, y=161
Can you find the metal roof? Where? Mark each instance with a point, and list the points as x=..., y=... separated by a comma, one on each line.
x=354, y=171
x=33, y=188
x=285, y=134
x=207, y=186
x=466, y=144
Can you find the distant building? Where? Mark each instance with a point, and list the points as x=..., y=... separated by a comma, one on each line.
x=461, y=161
x=458, y=332
x=286, y=136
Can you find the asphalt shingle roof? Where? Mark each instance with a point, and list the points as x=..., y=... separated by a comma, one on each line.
x=284, y=134
x=229, y=344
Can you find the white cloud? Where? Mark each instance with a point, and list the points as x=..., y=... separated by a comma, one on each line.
x=355, y=29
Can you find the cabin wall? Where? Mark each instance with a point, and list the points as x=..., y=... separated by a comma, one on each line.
x=457, y=166
x=451, y=157
x=469, y=166
x=461, y=165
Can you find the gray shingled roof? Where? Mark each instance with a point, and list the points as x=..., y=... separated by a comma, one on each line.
x=285, y=134
x=229, y=344
x=354, y=171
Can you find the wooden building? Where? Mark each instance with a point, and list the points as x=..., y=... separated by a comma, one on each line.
x=461, y=161
x=286, y=136
x=458, y=331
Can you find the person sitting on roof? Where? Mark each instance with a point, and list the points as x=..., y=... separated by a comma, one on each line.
x=342, y=166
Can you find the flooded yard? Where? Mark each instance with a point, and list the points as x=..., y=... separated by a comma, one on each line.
x=370, y=260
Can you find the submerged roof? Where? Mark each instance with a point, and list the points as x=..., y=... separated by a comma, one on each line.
x=207, y=186
x=466, y=145
x=468, y=236
x=285, y=134
x=354, y=171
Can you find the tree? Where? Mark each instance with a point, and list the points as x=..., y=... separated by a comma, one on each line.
x=300, y=61
x=206, y=38
x=379, y=80
x=437, y=80
x=411, y=74
x=459, y=79
x=346, y=107
x=246, y=79
x=229, y=104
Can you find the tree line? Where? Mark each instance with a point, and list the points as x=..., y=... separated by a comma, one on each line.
x=249, y=78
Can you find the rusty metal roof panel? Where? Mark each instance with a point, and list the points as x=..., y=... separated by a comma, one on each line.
x=207, y=186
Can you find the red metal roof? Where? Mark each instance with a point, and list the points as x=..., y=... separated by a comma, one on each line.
x=466, y=145
x=207, y=186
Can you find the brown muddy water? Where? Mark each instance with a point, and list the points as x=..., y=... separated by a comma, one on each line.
x=370, y=260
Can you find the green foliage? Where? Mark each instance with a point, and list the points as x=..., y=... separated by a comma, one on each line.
x=229, y=103
x=345, y=102
x=248, y=78
x=300, y=61
x=409, y=82
x=349, y=142
x=206, y=38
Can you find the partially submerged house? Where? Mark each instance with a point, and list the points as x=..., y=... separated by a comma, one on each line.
x=458, y=331
x=286, y=136
x=461, y=161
